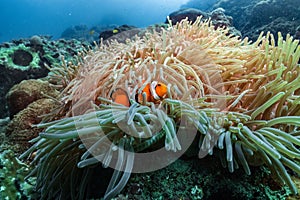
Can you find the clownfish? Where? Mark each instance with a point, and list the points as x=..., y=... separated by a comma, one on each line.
x=120, y=96
x=154, y=92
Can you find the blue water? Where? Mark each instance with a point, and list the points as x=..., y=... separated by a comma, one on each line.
x=24, y=18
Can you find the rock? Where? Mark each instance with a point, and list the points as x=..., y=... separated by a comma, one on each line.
x=297, y=34
x=29, y=101
x=280, y=24
x=3, y=124
x=84, y=33
x=218, y=18
x=76, y=32
x=25, y=59
x=36, y=43
x=252, y=17
x=16, y=64
x=190, y=13
x=26, y=92
x=120, y=33
x=20, y=130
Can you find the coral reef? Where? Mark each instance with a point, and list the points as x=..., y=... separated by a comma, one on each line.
x=116, y=31
x=19, y=130
x=29, y=101
x=234, y=99
x=217, y=16
x=19, y=57
x=189, y=13
x=124, y=32
x=79, y=32
x=202, y=179
x=252, y=17
x=27, y=59
x=3, y=139
x=26, y=92
x=17, y=62
x=84, y=33
x=12, y=176
x=279, y=24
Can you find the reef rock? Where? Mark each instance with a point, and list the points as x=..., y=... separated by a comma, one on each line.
x=20, y=130
x=17, y=62
x=252, y=17
x=218, y=18
x=75, y=32
x=120, y=33
x=27, y=59
x=26, y=92
x=29, y=101
x=190, y=13
x=84, y=33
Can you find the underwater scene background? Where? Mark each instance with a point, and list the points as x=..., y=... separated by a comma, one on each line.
x=160, y=99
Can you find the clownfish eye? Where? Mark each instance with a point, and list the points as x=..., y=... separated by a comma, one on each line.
x=158, y=84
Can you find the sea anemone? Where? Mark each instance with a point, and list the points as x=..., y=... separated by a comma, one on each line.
x=241, y=98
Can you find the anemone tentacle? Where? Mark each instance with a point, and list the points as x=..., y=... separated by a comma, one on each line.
x=241, y=97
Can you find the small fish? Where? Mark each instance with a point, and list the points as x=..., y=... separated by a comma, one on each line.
x=120, y=96
x=92, y=32
x=154, y=91
x=115, y=31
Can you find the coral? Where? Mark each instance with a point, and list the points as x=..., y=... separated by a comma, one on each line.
x=116, y=30
x=275, y=26
x=252, y=17
x=19, y=130
x=25, y=59
x=236, y=99
x=17, y=62
x=3, y=139
x=26, y=92
x=202, y=179
x=12, y=175
x=217, y=16
x=19, y=57
x=29, y=101
x=86, y=34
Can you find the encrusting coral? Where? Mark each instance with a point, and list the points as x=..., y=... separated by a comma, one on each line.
x=12, y=175
x=242, y=98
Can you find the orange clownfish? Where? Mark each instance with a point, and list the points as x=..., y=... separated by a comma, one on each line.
x=154, y=92
x=120, y=96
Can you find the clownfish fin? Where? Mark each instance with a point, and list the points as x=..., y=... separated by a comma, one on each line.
x=120, y=96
